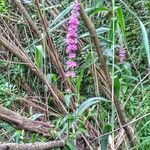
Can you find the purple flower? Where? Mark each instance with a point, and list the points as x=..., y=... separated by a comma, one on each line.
x=70, y=74
x=71, y=48
x=71, y=39
x=72, y=35
x=122, y=54
x=72, y=55
x=73, y=20
x=71, y=64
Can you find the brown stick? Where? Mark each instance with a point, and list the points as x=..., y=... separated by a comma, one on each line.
x=25, y=123
x=35, y=146
x=28, y=18
x=99, y=51
x=95, y=39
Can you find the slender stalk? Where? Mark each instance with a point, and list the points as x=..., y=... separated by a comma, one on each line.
x=113, y=71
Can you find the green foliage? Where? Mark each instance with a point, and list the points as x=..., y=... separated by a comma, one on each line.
x=129, y=24
x=39, y=56
x=8, y=93
x=3, y=7
x=89, y=102
x=104, y=140
x=121, y=20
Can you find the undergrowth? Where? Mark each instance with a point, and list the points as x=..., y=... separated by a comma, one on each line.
x=126, y=25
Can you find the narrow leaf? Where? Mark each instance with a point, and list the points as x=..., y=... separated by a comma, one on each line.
x=104, y=140
x=121, y=19
x=98, y=10
x=145, y=40
x=100, y=30
x=117, y=86
x=60, y=16
x=89, y=102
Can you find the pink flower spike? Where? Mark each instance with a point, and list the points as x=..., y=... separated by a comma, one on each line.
x=73, y=21
x=72, y=55
x=71, y=38
x=122, y=54
x=77, y=14
x=71, y=41
x=72, y=28
x=71, y=48
x=70, y=74
x=76, y=6
x=72, y=35
x=71, y=64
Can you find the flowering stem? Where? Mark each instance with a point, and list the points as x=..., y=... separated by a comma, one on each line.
x=71, y=39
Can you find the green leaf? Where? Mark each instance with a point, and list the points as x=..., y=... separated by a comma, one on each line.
x=39, y=54
x=110, y=33
x=70, y=118
x=127, y=68
x=40, y=49
x=33, y=138
x=68, y=98
x=89, y=60
x=16, y=136
x=57, y=26
x=71, y=145
x=104, y=140
x=3, y=7
x=60, y=16
x=107, y=128
x=89, y=102
x=79, y=80
x=100, y=30
x=120, y=18
x=80, y=131
x=145, y=40
x=98, y=10
x=50, y=78
x=117, y=86
x=37, y=58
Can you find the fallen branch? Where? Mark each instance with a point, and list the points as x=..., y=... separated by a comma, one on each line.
x=35, y=146
x=21, y=122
